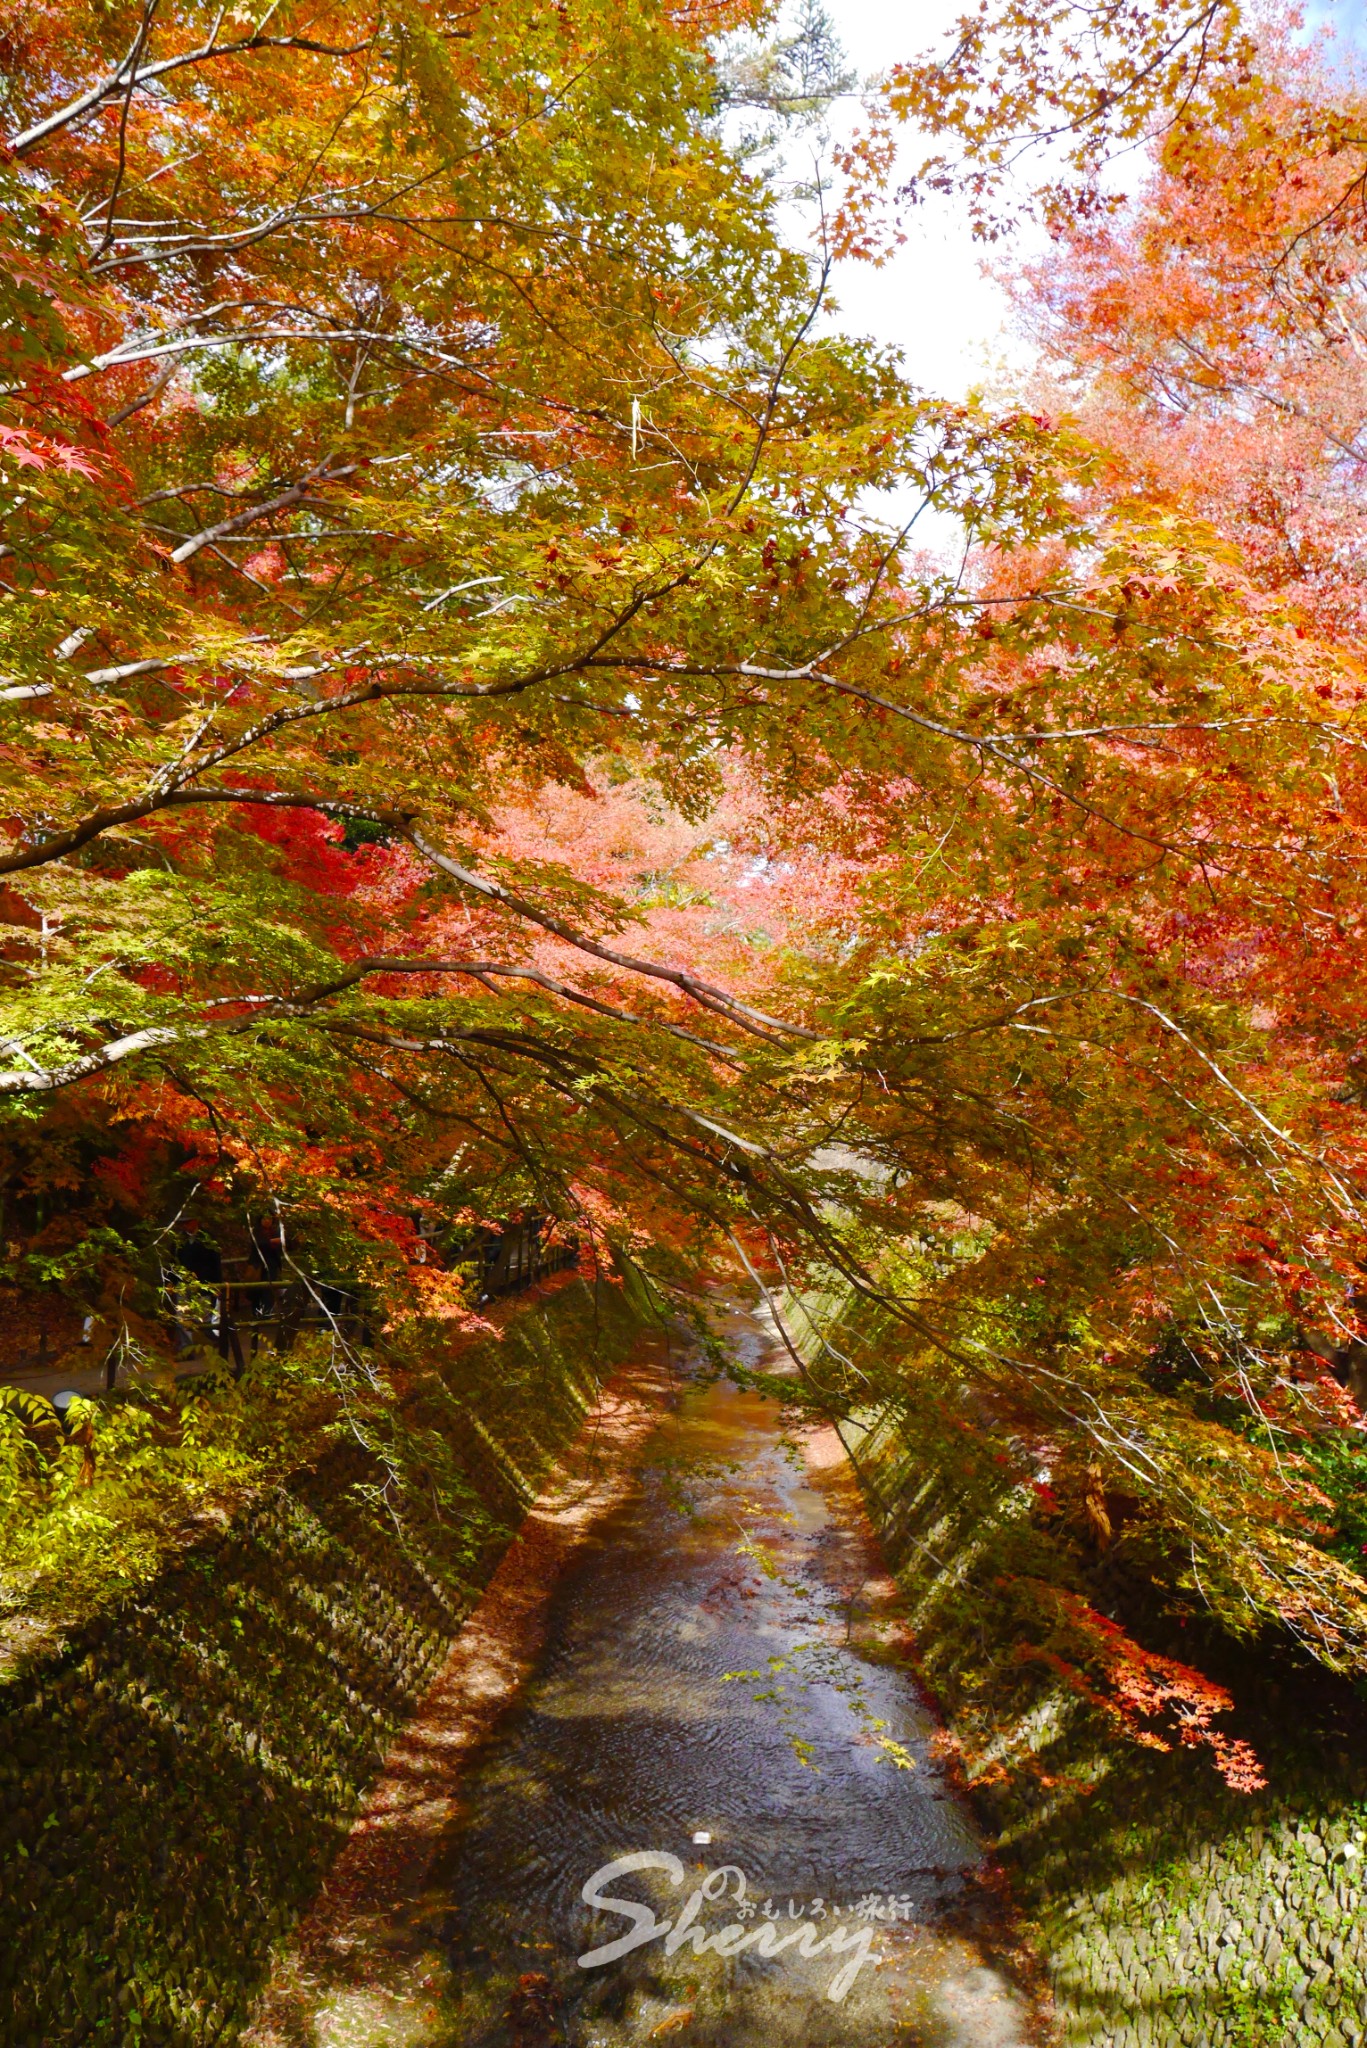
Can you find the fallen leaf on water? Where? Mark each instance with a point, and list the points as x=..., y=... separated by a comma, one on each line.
x=672, y=2021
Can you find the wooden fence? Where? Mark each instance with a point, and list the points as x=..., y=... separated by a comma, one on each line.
x=245, y=1307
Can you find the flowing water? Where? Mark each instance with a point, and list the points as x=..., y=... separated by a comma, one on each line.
x=725, y=1664
x=724, y=1694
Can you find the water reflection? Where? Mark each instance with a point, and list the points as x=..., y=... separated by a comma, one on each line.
x=809, y=1773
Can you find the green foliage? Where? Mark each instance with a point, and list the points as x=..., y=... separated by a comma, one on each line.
x=176, y=1774
x=1339, y=1465
x=508, y=498
x=91, y=1519
x=1153, y=1891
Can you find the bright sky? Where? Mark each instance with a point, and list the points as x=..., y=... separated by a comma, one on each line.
x=932, y=299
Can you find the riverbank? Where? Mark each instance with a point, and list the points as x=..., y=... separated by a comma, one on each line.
x=692, y=1656
x=1169, y=1910
x=343, y=1969
x=177, y=1774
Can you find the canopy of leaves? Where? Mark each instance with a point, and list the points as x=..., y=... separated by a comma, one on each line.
x=468, y=748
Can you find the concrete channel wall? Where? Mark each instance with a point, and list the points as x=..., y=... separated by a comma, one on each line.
x=1168, y=1909
x=176, y=1779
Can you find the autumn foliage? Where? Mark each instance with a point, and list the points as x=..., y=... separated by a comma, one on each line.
x=470, y=748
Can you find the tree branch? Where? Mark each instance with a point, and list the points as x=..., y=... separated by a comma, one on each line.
x=127, y=77
x=757, y=1022
x=319, y=475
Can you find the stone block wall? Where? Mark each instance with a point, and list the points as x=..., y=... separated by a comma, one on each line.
x=1169, y=1911
x=175, y=1780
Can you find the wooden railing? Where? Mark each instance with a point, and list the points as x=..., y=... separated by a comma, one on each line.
x=243, y=1310
x=249, y=1308
x=518, y=1257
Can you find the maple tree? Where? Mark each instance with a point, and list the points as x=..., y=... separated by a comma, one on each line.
x=441, y=600
x=373, y=463
x=1207, y=336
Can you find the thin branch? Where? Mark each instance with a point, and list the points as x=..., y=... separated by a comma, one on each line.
x=127, y=78
x=757, y=1022
x=144, y=31
x=153, y=392
x=320, y=474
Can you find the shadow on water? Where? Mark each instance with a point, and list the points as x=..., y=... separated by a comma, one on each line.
x=799, y=1796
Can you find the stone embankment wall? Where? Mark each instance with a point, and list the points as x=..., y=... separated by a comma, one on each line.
x=174, y=1782
x=1168, y=1909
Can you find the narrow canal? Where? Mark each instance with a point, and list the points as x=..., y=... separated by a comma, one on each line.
x=723, y=1699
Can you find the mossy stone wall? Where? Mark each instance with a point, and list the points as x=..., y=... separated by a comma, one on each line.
x=175, y=1780
x=1168, y=1909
